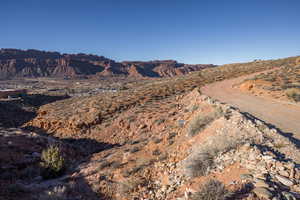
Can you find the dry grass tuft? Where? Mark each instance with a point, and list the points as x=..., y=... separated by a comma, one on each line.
x=293, y=93
x=201, y=161
x=200, y=164
x=200, y=122
x=212, y=190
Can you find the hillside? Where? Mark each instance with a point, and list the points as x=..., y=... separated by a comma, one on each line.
x=282, y=84
x=159, y=139
x=34, y=63
x=183, y=148
x=88, y=114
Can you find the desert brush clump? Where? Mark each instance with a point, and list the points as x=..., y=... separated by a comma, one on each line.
x=284, y=80
x=201, y=121
x=201, y=160
x=53, y=164
x=57, y=193
x=293, y=93
x=212, y=190
x=200, y=164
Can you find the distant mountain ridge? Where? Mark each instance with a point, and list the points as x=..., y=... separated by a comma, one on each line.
x=34, y=63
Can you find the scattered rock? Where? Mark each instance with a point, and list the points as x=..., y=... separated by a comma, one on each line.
x=246, y=176
x=284, y=180
x=261, y=183
x=288, y=196
x=263, y=192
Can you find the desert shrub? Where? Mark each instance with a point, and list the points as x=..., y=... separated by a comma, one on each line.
x=212, y=190
x=57, y=193
x=280, y=145
x=134, y=170
x=159, y=121
x=262, y=127
x=171, y=135
x=200, y=164
x=116, y=164
x=297, y=61
x=129, y=185
x=131, y=119
x=104, y=164
x=132, y=142
x=270, y=79
x=202, y=160
x=156, y=152
x=171, y=142
x=53, y=163
x=134, y=149
x=194, y=108
x=157, y=140
x=293, y=93
x=201, y=121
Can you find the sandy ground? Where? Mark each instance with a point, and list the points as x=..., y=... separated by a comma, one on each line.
x=282, y=115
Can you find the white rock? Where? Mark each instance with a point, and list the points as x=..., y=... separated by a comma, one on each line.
x=284, y=180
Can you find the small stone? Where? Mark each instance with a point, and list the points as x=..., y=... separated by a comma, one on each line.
x=267, y=157
x=263, y=192
x=261, y=183
x=246, y=176
x=284, y=173
x=296, y=188
x=284, y=180
x=289, y=196
x=142, y=126
x=297, y=174
x=292, y=174
x=276, y=198
x=36, y=154
x=290, y=165
x=261, y=176
x=245, y=147
x=279, y=166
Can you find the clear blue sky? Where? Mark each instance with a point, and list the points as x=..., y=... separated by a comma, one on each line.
x=190, y=31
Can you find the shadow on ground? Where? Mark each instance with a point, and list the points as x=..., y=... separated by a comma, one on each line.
x=16, y=112
x=20, y=176
x=287, y=135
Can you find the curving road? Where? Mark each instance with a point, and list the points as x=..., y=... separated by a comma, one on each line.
x=283, y=116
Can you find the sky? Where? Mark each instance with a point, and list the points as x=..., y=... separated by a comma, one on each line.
x=189, y=31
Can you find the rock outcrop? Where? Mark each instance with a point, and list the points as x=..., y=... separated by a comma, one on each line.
x=34, y=63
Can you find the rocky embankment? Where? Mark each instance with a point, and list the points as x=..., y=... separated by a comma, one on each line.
x=198, y=140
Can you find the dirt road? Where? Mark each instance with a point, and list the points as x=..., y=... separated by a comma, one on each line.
x=282, y=115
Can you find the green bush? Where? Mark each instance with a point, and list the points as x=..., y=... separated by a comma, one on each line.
x=53, y=163
x=212, y=190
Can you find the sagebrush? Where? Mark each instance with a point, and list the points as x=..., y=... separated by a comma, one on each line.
x=53, y=163
x=201, y=121
x=212, y=190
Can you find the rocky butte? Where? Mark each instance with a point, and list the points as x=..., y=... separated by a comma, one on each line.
x=35, y=63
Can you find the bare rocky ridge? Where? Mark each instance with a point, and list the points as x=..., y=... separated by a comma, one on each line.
x=34, y=63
